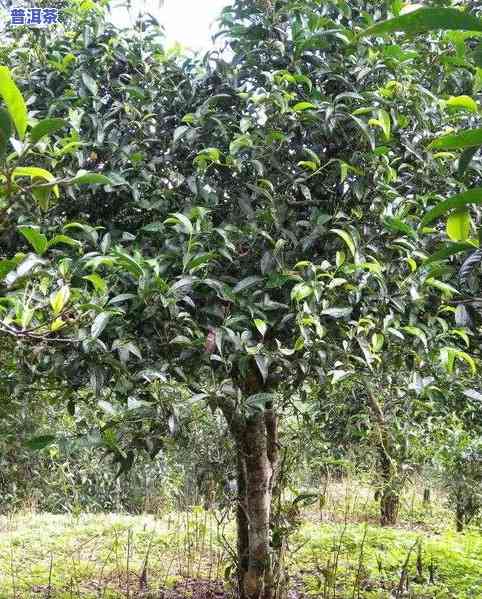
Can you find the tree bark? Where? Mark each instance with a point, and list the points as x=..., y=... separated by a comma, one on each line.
x=259, y=474
x=271, y=424
x=389, y=506
x=242, y=523
x=459, y=514
x=389, y=499
x=256, y=438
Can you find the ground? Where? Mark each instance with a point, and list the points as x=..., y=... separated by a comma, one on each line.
x=338, y=553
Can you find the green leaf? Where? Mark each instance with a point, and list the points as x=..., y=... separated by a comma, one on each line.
x=468, y=360
x=89, y=83
x=458, y=225
x=42, y=196
x=6, y=266
x=465, y=160
x=240, y=143
x=300, y=106
x=416, y=332
x=40, y=442
x=341, y=312
x=85, y=178
x=129, y=263
x=262, y=363
x=100, y=323
x=123, y=297
x=46, y=127
x=5, y=130
x=261, y=326
x=29, y=263
x=347, y=238
x=299, y=344
x=14, y=101
x=426, y=19
x=449, y=249
x=339, y=375
x=472, y=196
x=448, y=355
x=447, y=358
x=177, y=218
x=398, y=225
x=134, y=350
x=364, y=129
x=107, y=407
x=301, y=291
x=32, y=172
x=36, y=239
x=179, y=132
x=384, y=123
x=97, y=281
x=246, y=283
x=377, y=341
x=463, y=103
x=257, y=402
x=456, y=141
x=58, y=239
x=59, y=299
x=446, y=289
x=462, y=334
x=89, y=231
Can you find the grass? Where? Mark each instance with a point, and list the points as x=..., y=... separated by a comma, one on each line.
x=343, y=556
x=98, y=555
x=455, y=559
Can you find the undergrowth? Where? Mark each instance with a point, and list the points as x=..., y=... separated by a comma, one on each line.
x=338, y=552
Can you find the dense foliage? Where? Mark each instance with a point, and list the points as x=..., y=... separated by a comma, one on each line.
x=256, y=233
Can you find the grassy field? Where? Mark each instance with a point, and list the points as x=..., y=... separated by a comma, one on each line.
x=345, y=555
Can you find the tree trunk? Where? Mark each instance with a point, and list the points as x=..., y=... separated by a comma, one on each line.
x=259, y=474
x=459, y=514
x=256, y=439
x=389, y=505
x=389, y=497
x=242, y=523
x=271, y=424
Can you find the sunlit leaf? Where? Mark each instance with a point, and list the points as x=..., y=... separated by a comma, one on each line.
x=458, y=141
x=462, y=103
x=14, y=101
x=300, y=106
x=458, y=225
x=426, y=19
x=97, y=281
x=85, y=178
x=472, y=196
x=347, y=238
x=59, y=299
x=36, y=239
x=261, y=326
